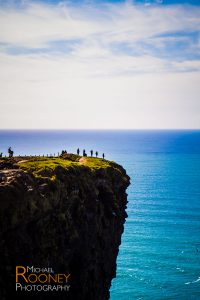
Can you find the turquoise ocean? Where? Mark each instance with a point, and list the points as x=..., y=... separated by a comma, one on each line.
x=159, y=257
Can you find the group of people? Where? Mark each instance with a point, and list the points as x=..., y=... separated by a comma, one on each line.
x=11, y=152
x=91, y=153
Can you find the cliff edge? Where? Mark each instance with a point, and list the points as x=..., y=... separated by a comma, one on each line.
x=60, y=216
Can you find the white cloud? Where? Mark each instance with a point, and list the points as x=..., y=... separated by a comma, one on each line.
x=99, y=33
x=43, y=94
x=97, y=84
x=37, y=24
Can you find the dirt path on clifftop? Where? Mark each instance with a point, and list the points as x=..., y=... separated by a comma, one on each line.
x=83, y=161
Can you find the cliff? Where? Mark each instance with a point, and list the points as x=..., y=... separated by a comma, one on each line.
x=66, y=214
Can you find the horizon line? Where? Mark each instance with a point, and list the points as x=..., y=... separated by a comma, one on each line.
x=98, y=129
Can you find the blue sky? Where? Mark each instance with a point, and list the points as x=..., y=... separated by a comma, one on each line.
x=194, y=2
x=140, y=59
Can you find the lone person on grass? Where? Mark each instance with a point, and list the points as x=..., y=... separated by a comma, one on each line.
x=103, y=155
x=78, y=151
x=96, y=153
x=91, y=151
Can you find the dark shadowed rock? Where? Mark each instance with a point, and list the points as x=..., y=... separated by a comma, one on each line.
x=66, y=217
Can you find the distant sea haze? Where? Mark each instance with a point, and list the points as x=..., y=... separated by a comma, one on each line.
x=159, y=257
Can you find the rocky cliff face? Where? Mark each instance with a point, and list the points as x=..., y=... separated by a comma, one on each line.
x=68, y=217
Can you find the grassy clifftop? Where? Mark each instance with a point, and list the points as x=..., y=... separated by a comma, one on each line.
x=46, y=166
x=71, y=160
x=66, y=213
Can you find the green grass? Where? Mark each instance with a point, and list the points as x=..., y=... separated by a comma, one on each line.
x=96, y=163
x=44, y=166
x=42, y=162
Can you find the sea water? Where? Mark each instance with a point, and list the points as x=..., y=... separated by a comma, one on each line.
x=159, y=257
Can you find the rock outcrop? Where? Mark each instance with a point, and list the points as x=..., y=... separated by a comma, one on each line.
x=65, y=214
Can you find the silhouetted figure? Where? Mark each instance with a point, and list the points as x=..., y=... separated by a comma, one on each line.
x=63, y=152
x=103, y=155
x=84, y=153
x=78, y=151
x=10, y=152
x=91, y=151
x=1, y=154
x=96, y=153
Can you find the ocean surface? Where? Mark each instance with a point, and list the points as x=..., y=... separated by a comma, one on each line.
x=159, y=257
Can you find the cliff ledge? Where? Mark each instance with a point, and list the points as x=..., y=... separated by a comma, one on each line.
x=63, y=213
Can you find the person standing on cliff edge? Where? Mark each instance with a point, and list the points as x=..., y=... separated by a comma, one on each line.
x=10, y=152
x=78, y=151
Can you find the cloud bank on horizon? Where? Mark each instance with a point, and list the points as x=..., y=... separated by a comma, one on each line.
x=100, y=64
